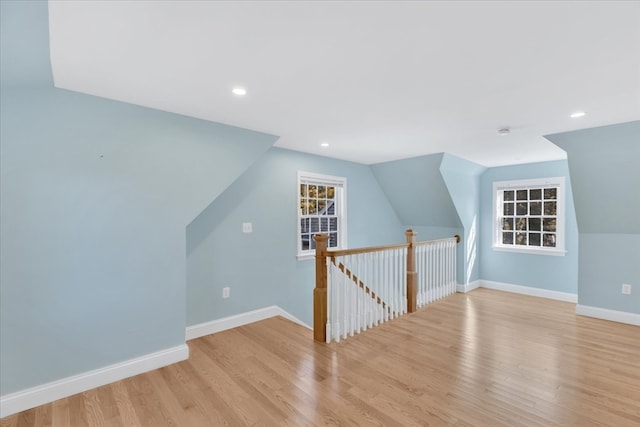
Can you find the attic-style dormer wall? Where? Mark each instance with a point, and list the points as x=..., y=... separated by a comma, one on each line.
x=96, y=196
x=462, y=179
x=418, y=192
x=604, y=163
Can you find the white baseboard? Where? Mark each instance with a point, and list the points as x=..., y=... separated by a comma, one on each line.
x=527, y=290
x=468, y=287
x=606, y=314
x=30, y=398
x=219, y=325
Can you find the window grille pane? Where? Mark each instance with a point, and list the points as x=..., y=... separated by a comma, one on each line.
x=322, y=191
x=508, y=209
x=304, y=225
x=521, y=195
x=333, y=224
x=522, y=208
x=508, y=196
x=521, y=223
x=324, y=224
x=303, y=190
x=331, y=192
x=535, y=194
x=507, y=223
x=549, y=224
x=315, y=225
x=549, y=240
x=507, y=238
x=333, y=240
x=331, y=207
x=534, y=224
x=521, y=238
x=550, y=193
x=322, y=204
x=305, y=241
x=549, y=208
x=313, y=191
x=535, y=208
x=534, y=239
x=303, y=207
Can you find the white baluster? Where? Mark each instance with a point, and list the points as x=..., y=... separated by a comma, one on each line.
x=420, y=269
x=329, y=290
x=353, y=289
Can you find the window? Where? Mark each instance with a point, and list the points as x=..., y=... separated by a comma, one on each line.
x=321, y=209
x=529, y=216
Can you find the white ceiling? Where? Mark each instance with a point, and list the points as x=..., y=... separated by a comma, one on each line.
x=378, y=81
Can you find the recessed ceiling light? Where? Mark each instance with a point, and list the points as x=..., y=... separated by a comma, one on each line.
x=324, y=144
x=240, y=91
x=504, y=131
x=577, y=114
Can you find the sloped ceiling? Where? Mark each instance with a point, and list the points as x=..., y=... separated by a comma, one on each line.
x=378, y=81
x=417, y=191
x=605, y=177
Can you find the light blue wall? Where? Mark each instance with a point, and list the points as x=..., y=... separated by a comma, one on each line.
x=417, y=191
x=24, y=44
x=606, y=262
x=462, y=179
x=605, y=173
x=556, y=273
x=261, y=268
x=96, y=196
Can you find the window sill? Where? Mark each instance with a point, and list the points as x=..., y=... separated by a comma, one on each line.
x=303, y=257
x=529, y=250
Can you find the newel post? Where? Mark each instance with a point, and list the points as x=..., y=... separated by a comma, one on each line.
x=412, y=275
x=320, y=291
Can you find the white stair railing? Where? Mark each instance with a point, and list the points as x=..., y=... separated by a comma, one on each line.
x=364, y=289
x=357, y=289
x=436, y=267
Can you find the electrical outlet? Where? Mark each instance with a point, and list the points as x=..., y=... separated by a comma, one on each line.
x=247, y=227
x=626, y=289
x=226, y=292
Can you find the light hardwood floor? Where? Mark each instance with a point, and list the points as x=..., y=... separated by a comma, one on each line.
x=485, y=358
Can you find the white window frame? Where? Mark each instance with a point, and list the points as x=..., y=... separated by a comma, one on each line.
x=543, y=183
x=340, y=184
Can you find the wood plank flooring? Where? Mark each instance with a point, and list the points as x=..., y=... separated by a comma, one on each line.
x=485, y=358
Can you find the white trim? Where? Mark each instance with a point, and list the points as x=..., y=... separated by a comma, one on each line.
x=606, y=314
x=527, y=290
x=530, y=250
x=320, y=177
x=219, y=325
x=468, y=287
x=30, y=398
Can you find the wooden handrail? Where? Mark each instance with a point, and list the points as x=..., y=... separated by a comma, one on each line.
x=429, y=242
x=342, y=252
